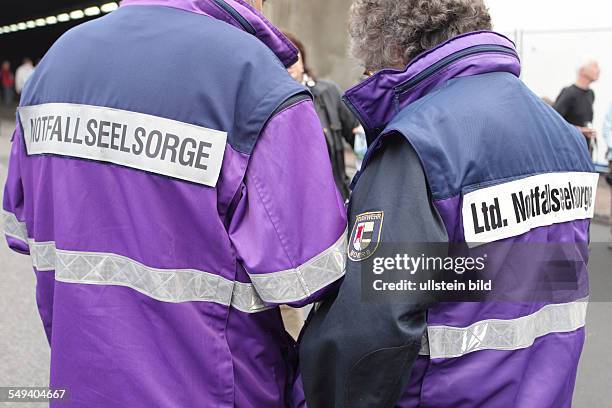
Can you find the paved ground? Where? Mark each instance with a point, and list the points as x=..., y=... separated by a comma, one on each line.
x=24, y=353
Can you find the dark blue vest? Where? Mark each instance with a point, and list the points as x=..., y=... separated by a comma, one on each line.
x=488, y=129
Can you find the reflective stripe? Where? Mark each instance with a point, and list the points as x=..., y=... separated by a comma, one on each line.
x=424, y=345
x=246, y=299
x=183, y=285
x=296, y=284
x=166, y=285
x=13, y=227
x=512, y=334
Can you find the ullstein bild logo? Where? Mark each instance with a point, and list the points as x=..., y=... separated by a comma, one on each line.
x=513, y=208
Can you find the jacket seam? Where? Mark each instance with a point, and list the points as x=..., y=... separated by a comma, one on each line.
x=264, y=200
x=296, y=103
x=270, y=115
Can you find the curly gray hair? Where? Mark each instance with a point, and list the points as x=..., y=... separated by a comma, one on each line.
x=389, y=33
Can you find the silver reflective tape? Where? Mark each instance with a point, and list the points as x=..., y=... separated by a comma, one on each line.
x=497, y=334
x=13, y=227
x=166, y=285
x=43, y=255
x=424, y=345
x=246, y=299
x=293, y=285
x=131, y=139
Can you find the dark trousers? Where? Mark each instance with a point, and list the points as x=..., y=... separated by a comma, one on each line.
x=7, y=96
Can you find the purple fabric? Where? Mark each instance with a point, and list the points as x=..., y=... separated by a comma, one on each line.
x=13, y=198
x=412, y=394
x=152, y=353
x=532, y=377
x=265, y=359
x=377, y=100
x=114, y=347
x=264, y=30
x=541, y=376
x=108, y=208
x=511, y=276
x=281, y=223
x=111, y=345
x=45, y=284
x=278, y=223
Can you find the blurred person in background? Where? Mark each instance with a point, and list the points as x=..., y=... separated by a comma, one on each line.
x=575, y=103
x=452, y=132
x=7, y=80
x=337, y=120
x=607, y=133
x=23, y=73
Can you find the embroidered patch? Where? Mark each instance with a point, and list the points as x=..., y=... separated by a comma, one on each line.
x=365, y=235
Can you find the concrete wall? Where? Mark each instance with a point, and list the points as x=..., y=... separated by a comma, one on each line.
x=322, y=26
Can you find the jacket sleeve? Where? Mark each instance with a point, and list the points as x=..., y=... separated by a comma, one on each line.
x=359, y=353
x=13, y=201
x=289, y=226
x=347, y=119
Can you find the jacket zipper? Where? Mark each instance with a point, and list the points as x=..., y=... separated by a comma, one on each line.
x=443, y=63
x=411, y=83
x=438, y=66
x=352, y=108
x=248, y=27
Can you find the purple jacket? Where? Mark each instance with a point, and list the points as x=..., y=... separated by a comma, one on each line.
x=486, y=144
x=511, y=185
x=172, y=186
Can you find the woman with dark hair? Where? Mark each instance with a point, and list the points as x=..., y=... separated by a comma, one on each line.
x=337, y=120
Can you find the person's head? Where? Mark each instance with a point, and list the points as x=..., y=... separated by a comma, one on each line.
x=28, y=61
x=301, y=67
x=6, y=65
x=589, y=72
x=390, y=33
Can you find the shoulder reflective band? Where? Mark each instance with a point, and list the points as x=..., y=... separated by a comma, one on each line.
x=293, y=285
x=512, y=334
x=166, y=285
x=136, y=140
x=513, y=208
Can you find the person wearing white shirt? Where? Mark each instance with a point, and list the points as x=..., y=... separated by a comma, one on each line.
x=23, y=73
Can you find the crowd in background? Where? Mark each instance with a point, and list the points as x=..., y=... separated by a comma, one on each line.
x=575, y=104
x=13, y=83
